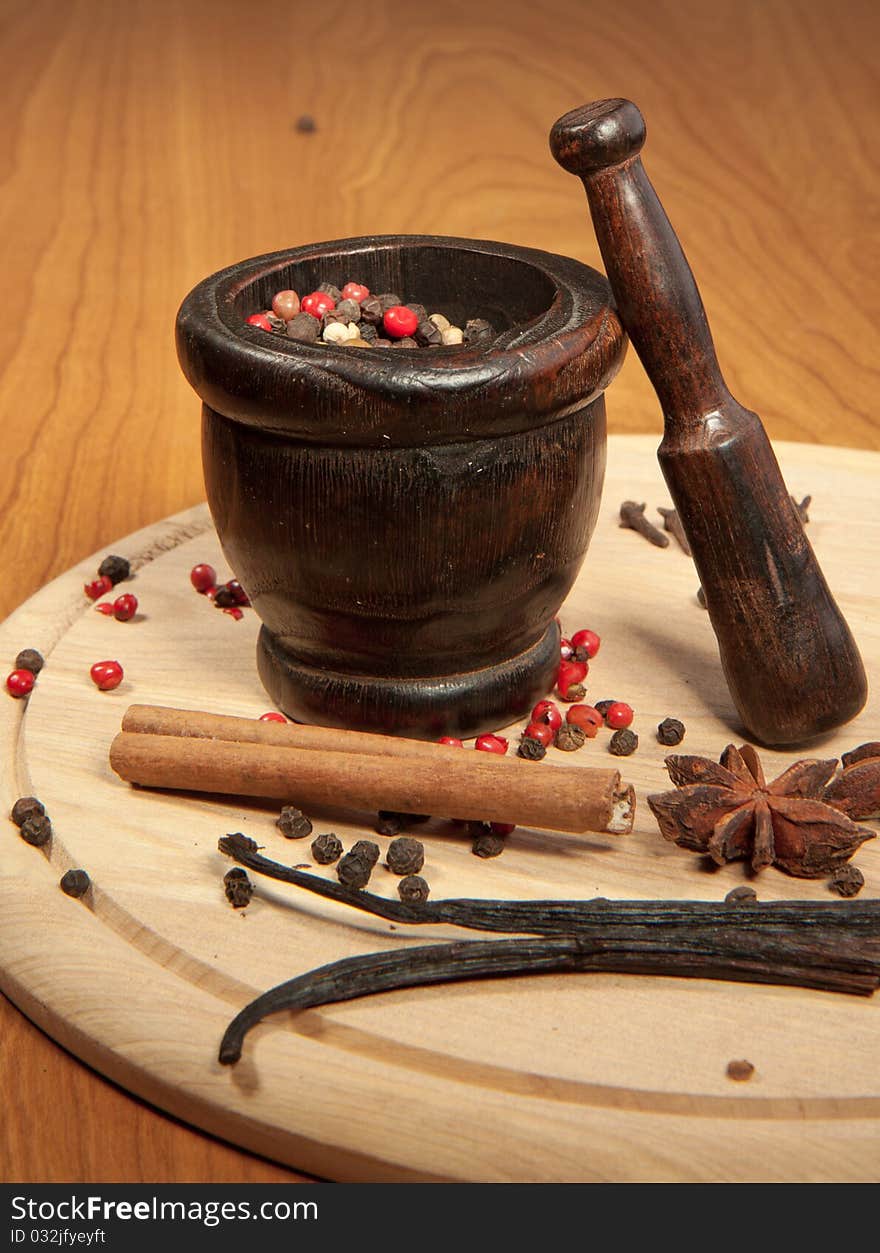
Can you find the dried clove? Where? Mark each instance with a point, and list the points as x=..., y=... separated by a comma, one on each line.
x=673, y=524
x=801, y=507
x=633, y=517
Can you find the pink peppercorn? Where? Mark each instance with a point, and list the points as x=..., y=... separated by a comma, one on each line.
x=106, y=675
x=317, y=303
x=20, y=682
x=586, y=643
x=203, y=577
x=98, y=587
x=272, y=717
x=618, y=715
x=285, y=304
x=260, y=320
x=586, y=717
x=491, y=744
x=399, y=321
x=541, y=731
x=566, y=649
x=502, y=828
x=451, y=740
x=547, y=711
x=124, y=607
x=105, y=607
x=355, y=291
x=570, y=672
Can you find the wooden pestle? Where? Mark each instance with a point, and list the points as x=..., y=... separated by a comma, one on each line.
x=791, y=663
x=237, y=756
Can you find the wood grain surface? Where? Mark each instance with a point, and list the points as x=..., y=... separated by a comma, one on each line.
x=128, y=175
x=597, y=1080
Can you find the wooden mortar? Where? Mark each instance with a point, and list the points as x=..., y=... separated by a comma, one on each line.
x=407, y=522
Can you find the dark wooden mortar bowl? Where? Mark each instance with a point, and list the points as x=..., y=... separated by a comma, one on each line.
x=407, y=522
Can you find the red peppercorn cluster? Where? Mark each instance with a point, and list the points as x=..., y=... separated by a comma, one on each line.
x=582, y=722
x=352, y=316
x=229, y=596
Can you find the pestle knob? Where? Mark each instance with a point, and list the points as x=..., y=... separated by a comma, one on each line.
x=789, y=658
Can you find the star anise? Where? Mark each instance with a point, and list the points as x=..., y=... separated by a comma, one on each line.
x=729, y=811
x=856, y=790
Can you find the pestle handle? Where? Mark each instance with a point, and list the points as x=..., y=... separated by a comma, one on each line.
x=791, y=663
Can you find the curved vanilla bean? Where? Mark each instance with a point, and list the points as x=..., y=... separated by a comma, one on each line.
x=371, y=973
x=854, y=926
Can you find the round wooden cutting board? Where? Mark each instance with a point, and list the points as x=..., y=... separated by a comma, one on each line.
x=574, y=1077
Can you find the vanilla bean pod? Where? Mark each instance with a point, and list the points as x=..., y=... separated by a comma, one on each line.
x=371, y=973
x=845, y=930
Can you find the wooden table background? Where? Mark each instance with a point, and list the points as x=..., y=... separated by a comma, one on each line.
x=147, y=144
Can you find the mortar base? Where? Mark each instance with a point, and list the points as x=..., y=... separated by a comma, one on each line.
x=455, y=704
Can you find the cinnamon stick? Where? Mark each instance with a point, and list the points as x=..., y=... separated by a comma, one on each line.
x=448, y=783
x=163, y=720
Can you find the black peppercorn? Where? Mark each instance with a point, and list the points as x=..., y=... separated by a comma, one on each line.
x=293, y=824
x=623, y=742
x=368, y=850
x=238, y=887
x=405, y=855
x=847, y=881
x=36, y=830
x=348, y=311
x=29, y=659
x=388, y=823
x=740, y=895
x=602, y=706
x=413, y=889
x=224, y=597
x=427, y=334
x=333, y=292
x=487, y=844
x=478, y=331
x=26, y=807
x=75, y=883
x=406, y=341
x=387, y=299
x=670, y=731
x=368, y=331
x=569, y=737
x=306, y=124
x=303, y=327
x=531, y=750
x=354, y=871
x=115, y=568
x=372, y=310
x=419, y=310
x=326, y=848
